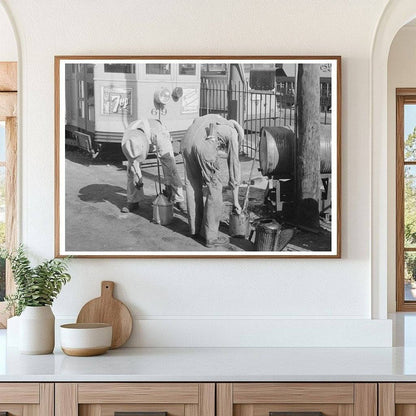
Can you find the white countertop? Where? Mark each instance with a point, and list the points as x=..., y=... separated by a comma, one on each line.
x=213, y=364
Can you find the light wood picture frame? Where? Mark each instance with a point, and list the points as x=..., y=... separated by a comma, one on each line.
x=198, y=156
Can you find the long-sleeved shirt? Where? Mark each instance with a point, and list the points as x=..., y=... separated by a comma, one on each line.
x=140, y=134
x=227, y=137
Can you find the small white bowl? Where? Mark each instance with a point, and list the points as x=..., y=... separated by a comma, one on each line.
x=84, y=340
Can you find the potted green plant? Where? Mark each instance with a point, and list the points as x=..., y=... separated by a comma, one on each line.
x=36, y=289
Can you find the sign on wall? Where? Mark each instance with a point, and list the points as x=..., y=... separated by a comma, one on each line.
x=190, y=101
x=116, y=101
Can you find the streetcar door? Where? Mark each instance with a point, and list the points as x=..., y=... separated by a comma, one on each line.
x=89, y=95
x=85, y=86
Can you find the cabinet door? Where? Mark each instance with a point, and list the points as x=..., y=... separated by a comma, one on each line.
x=144, y=399
x=296, y=399
x=397, y=399
x=26, y=399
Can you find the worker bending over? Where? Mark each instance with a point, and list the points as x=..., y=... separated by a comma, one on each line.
x=203, y=140
x=137, y=139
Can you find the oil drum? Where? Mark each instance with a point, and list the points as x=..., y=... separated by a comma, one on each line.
x=325, y=152
x=276, y=150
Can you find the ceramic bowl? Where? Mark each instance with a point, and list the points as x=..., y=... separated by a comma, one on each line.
x=84, y=340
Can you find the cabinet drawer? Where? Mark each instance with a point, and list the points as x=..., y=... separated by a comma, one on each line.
x=153, y=399
x=138, y=393
x=19, y=393
x=22, y=399
x=142, y=409
x=293, y=392
x=397, y=399
x=297, y=399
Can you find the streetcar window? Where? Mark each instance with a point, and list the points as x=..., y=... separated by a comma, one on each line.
x=120, y=68
x=187, y=69
x=91, y=112
x=214, y=69
x=90, y=89
x=81, y=108
x=158, y=69
x=81, y=89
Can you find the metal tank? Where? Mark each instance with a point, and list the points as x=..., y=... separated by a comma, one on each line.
x=276, y=152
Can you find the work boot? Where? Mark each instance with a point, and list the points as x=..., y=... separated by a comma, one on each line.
x=198, y=238
x=130, y=207
x=218, y=242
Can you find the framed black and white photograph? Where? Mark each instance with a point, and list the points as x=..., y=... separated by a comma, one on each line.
x=198, y=156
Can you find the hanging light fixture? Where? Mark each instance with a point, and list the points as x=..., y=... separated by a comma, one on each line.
x=162, y=96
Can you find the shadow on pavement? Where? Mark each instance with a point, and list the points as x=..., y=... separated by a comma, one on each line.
x=179, y=225
x=82, y=158
x=241, y=243
x=116, y=195
x=101, y=193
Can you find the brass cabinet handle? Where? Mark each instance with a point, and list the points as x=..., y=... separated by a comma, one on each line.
x=137, y=414
x=296, y=414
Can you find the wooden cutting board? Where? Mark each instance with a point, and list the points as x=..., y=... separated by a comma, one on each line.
x=107, y=309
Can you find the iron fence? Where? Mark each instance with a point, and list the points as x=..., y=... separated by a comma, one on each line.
x=255, y=109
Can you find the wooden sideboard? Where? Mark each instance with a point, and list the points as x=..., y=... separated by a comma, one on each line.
x=208, y=399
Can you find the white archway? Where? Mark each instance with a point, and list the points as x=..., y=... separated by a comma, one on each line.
x=396, y=14
x=9, y=44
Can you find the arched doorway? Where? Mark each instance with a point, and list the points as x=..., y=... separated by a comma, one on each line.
x=396, y=14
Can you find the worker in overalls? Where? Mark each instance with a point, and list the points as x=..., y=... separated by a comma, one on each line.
x=200, y=148
x=139, y=136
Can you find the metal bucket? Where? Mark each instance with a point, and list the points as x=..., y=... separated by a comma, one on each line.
x=267, y=235
x=162, y=210
x=239, y=225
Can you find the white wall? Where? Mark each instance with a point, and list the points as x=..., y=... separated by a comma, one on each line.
x=8, y=47
x=179, y=302
x=401, y=74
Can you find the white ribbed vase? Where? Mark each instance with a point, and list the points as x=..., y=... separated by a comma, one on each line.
x=37, y=330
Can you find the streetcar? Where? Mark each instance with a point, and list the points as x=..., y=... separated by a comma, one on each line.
x=102, y=99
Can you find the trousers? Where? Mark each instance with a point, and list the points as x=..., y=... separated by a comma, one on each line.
x=133, y=194
x=201, y=167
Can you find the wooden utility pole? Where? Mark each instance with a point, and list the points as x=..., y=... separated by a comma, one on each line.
x=308, y=146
